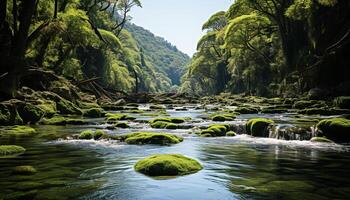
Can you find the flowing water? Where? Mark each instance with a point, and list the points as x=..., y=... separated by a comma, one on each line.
x=240, y=167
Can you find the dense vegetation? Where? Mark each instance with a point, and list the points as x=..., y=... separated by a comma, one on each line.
x=274, y=47
x=83, y=40
x=165, y=57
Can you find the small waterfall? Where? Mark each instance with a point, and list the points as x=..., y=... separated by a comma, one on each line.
x=291, y=132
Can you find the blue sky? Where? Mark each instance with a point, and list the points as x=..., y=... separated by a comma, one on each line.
x=178, y=21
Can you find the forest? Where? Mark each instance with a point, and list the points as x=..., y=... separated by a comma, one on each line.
x=273, y=48
x=95, y=106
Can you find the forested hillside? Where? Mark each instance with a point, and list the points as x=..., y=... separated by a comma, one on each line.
x=83, y=40
x=274, y=48
x=165, y=57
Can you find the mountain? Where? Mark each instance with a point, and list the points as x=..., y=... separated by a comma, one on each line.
x=161, y=54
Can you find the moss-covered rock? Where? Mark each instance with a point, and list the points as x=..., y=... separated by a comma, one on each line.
x=86, y=135
x=172, y=120
x=99, y=134
x=24, y=170
x=215, y=130
x=121, y=125
x=9, y=114
x=167, y=165
x=258, y=127
x=342, y=102
x=20, y=131
x=150, y=138
x=321, y=139
x=231, y=134
x=163, y=125
x=8, y=150
x=30, y=113
x=156, y=107
x=94, y=112
x=223, y=117
x=309, y=104
x=336, y=129
x=115, y=117
x=61, y=121
x=49, y=108
x=63, y=106
x=273, y=110
x=247, y=110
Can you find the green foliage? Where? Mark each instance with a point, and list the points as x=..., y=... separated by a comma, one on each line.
x=167, y=165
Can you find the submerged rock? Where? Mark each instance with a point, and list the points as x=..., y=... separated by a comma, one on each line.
x=150, y=138
x=24, y=170
x=8, y=150
x=258, y=127
x=336, y=129
x=167, y=165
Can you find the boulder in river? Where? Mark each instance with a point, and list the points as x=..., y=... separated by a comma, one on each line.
x=336, y=129
x=258, y=127
x=167, y=165
x=150, y=138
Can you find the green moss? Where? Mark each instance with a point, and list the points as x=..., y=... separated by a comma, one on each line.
x=315, y=111
x=156, y=107
x=206, y=134
x=342, y=102
x=215, y=130
x=163, y=125
x=336, y=129
x=321, y=139
x=231, y=134
x=122, y=125
x=274, y=110
x=24, y=170
x=114, y=117
x=86, y=135
x=309, y=104
x=172, y=120
x=150, y=138
x=136, y=111
x=94, y=112
x=246, y=110
x=223, y=117
x=20, y=131
x=59, y=120
x=258, y=127
x=30, y=113
x=9, y=116
x=66, y=107
x=99, y=134
x=7, y=150
x=167, y=165
x=49, y=108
